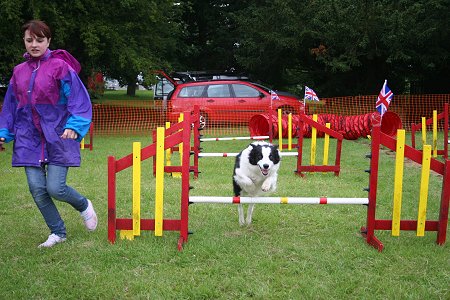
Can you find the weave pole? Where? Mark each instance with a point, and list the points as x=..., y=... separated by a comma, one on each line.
x=277, y=200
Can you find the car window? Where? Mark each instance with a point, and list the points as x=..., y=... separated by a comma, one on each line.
x=242, y=90
x=192, y=91
x=218, y=91
x=163, y=87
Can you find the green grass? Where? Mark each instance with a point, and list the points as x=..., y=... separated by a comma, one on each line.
x=289, y=252
x=114, y=95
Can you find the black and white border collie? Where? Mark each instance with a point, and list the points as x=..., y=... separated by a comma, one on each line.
x=255, y=173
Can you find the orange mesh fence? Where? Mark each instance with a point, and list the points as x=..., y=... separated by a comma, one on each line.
x=136, y=117
x=410, y=108
x=144, y=116
x=127, y=117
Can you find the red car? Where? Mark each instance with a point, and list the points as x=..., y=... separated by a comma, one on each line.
x=228, y=101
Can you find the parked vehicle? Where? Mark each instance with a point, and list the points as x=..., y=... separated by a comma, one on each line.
x=165, y=86
x=228, y=101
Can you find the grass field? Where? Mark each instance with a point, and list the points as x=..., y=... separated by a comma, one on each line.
x=114, y=95
x=289, y=252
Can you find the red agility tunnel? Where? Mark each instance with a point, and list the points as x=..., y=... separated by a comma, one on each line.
x=351, y=127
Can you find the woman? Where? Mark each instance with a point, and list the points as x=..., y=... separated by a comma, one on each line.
x=47, y=111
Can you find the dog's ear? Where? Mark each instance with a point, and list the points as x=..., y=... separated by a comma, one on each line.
x=276, y=154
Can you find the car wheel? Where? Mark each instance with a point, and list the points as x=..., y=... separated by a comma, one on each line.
x=203, y=120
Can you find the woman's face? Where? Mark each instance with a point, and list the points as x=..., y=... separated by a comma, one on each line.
x=36, y=46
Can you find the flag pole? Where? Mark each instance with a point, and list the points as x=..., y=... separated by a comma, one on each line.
x=304, y=101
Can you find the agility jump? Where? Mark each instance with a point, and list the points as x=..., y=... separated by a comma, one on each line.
x=301, y=122
x=180, y=134
x=396, y=224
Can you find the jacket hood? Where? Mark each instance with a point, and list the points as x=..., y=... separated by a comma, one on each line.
x=61, y=54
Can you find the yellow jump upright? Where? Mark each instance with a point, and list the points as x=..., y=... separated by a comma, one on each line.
x=313, y=143
x=280, y=131
x=326, y=146
x=435, y=120
x=159, y=193
x=136, y=195
x=398, y=182
x=180, y=149
x=424, y=183
x=136, y=188
x=168, y=151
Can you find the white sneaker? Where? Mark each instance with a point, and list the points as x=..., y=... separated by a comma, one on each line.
x=89, y=217
x=52, y=240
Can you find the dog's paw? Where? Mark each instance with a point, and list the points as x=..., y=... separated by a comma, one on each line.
x=246, y=181
x=266, y=187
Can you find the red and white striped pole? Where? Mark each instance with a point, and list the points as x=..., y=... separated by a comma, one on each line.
x=277, y=200
x=227, y=154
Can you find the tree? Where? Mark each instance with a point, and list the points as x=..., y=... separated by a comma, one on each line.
x=344, y=47
x=273, y=41
x=209, y=33
x=347, y=47
x=119, y=38
x=12, y=48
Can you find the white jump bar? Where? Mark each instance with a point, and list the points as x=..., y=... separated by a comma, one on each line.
x=260, y=137
x=277, y=200
x=235, y=154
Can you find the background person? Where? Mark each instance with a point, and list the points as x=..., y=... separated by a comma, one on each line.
x=46, y=112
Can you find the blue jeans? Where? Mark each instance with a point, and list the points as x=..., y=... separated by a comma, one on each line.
x=49, y=182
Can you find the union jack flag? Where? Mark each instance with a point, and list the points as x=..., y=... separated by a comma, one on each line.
x=274, y=96
x=384, y=99
x=310, y=94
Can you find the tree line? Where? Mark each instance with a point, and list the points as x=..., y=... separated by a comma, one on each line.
x=337, y=47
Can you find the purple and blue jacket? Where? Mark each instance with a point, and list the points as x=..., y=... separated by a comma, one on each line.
x=44, y=97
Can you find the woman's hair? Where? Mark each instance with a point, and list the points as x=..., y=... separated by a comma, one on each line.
x=37, y=28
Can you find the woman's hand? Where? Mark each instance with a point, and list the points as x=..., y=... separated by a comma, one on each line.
x=69, y=134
